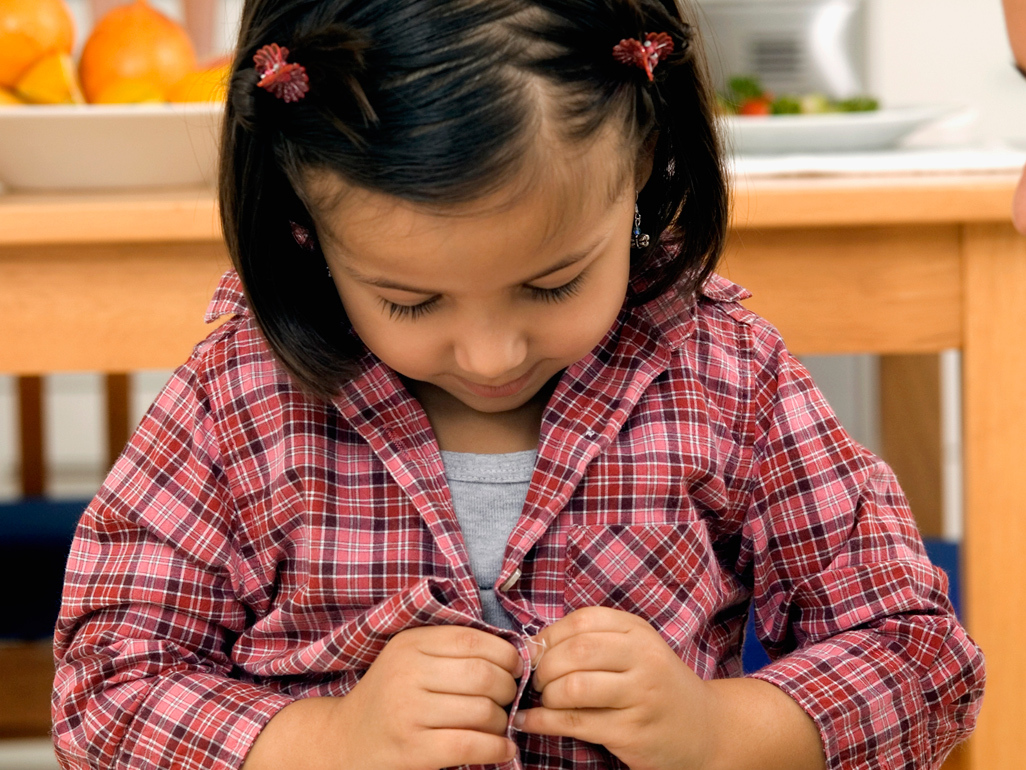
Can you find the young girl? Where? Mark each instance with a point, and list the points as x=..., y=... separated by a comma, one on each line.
x=487, y=466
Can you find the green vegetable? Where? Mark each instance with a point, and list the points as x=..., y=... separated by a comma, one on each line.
x=859, y=104
x=744, y=90
x=786, y=104
x=745, y=87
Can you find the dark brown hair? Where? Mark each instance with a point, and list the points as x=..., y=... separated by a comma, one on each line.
x=431, y=101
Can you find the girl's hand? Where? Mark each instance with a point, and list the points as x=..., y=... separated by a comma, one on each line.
x=607, y=677
x=434, y=698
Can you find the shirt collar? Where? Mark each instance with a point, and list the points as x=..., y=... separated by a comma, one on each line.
x=672, y=321
x=229, y=298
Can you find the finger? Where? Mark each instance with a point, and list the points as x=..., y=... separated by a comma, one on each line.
x=589, y=725
x=451, y=748
x=464, y=712
x=461, y=642
x=589, y=690
x=597, y=651
x=469, y=676
x=585, y=620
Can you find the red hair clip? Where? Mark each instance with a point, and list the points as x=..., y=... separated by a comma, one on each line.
x=286, y=81
x=646, y=56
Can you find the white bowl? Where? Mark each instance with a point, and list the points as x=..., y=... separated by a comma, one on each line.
x=829, y=132
x=109, y=146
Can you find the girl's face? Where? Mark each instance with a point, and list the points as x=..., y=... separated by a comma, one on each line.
x=483, y=304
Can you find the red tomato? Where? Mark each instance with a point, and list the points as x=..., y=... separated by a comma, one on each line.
x=757, y=106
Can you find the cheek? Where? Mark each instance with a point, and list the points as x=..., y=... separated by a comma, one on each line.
x=584, y=324
x=403, y=349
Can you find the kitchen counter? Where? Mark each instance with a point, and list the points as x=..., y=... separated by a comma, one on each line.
x=887, y=264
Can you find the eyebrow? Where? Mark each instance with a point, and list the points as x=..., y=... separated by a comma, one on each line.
x=384, y=283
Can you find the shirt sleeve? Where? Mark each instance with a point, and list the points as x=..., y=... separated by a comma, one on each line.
x=855, y=617
x=150, y=611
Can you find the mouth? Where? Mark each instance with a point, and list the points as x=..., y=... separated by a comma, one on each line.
x=510, y=388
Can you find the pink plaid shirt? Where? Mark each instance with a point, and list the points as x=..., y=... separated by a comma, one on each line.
x=253, y=546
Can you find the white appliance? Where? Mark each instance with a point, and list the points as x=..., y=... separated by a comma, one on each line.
x=794, y=46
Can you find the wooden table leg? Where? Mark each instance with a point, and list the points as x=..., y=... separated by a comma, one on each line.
x=994, y=551
x=118, y=397
x=910, y=433
x=31, y=436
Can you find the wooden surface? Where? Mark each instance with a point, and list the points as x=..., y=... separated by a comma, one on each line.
x=911, y=440
x=191, y=214
x=31, y=432
x=26, y=670
x=114, y=307
x=994, y=381
x=849, y=290
x=118, y=282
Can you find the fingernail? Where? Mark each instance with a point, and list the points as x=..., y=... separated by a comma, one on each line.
x=518, y=719
x=537, y=648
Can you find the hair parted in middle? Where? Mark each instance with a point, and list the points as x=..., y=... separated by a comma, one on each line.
x=435, y=102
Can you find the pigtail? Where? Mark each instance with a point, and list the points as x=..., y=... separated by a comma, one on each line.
x=686, y=200
x=684, y=206
x=288, y=289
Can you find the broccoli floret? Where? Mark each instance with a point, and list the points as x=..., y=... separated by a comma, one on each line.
x=745, y=87
x=858, y=104
x=787, y=104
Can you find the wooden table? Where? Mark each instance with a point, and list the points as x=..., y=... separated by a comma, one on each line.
x=119, y=282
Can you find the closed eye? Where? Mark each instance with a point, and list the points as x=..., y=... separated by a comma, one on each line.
x=558, y=293
x=411, y=312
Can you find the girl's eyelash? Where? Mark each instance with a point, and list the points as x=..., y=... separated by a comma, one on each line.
x=412, y=312
x=408, y=311
x=565, y=291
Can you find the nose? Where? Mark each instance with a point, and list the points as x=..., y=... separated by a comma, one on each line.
x=490, y=352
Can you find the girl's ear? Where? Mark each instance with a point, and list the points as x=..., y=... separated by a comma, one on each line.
x=645, y=159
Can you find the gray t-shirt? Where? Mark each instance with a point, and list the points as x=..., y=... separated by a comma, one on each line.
x=488, y=493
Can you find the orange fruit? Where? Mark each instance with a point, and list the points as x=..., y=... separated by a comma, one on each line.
x=132, y=91
x=30, y=29
x=206, y=85
x=51, y=80
x=8, y=98
x=135, y=42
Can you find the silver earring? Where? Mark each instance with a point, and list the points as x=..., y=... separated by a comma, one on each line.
x=639, y=240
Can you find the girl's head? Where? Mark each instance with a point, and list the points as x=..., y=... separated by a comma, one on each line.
x=464, y=149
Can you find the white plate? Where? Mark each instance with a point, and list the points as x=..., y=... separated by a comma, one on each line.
x=109, y=146
x=830, y=132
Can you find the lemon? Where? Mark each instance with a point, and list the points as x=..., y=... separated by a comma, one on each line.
x=206, y=85
x=8, y=98
x=29, y=30
x=132, y=91
x=51, y=80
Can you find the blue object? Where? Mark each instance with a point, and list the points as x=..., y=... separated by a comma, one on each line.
x=942, y=553
x=35, y=536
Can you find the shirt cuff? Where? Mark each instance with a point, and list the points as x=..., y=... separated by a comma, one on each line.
x=865, y=701
x=185, y=721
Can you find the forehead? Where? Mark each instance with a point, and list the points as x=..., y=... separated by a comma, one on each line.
x=555, y=186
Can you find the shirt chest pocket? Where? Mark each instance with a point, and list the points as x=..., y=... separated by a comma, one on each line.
x=664, y=573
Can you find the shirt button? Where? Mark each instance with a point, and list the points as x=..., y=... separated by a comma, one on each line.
x=511, y=580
